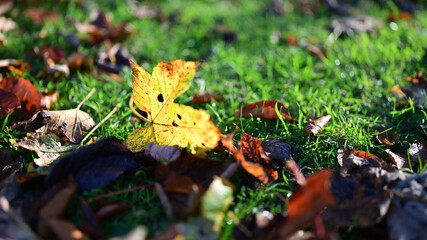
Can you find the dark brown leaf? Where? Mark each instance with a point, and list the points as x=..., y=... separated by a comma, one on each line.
x=319, y=53
x=91, y=225
x=8, y=166
x=80, y=61
x=315, y=125
x=49, y=51
x=107, y=210
x=277, y=150
x=403, y=15
x=205, y=97
x=94, y=166
x=264, y=109
x=8, y=101
x=26, y=92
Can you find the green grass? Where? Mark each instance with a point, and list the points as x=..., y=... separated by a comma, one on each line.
x=352, y=85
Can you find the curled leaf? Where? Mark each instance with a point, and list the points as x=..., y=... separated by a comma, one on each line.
x=264, y=109
x=315, y=125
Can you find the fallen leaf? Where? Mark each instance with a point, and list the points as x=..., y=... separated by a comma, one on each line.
x=139, y=232
x=70, y=123
x=110, y=209
x=312, y=197
x=101, y=29
x=12, y=225
x=398, y=160
x=205, y=97
x=216, y=201
x=6, y=24
x=198, y=228
x=348, y=159
x=48, y=99
x=292, y=40
x=163, y=153
x=319, y=53
x=5, y=6
x=80, y=61
x=170, y=123
x=222, y=32
x=26, y=92
x=278, y=150
x=386, y=136
x=40, y=15
x=91, y=224
x=114, y=59
x=14, y=65
x=315, y=125
x=8, y=102
x=146, y=12
x=47, y=145
x=402, y=15
x=416, y=92
x=418, y=152
x=95, y=165
x=66, y=230
x=264, y=109
x=49, y=51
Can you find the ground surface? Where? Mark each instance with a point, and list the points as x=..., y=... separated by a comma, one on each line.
x=352, y=84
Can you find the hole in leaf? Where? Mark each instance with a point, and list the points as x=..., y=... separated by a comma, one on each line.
x=179, y=116
x=143, y=113
x=174, y=124
x=160, y=98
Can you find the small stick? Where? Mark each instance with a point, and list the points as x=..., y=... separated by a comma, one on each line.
x=136, y=112
x=86, y=98
x=123, y=191
x=99, y=124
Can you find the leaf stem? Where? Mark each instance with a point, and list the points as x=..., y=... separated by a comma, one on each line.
x=136, y=112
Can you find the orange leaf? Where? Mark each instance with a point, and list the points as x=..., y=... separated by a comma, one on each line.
x=8, y=101
x=205, y=97
x=264, y=109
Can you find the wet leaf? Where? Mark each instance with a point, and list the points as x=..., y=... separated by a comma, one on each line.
x=8, y=101
x=94, y=166
x=26, y=92
x=264, y=109
x=315, y=125
x=205, y=97
x=216, y=201
x=170, y=123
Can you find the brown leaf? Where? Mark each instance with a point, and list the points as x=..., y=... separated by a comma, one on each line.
x=292, y=40
x=319, y=53
x=66, y=230
x=386, y=136
x=264, y=109
x=80, y=61
x=348, y=159
x=40, y=15
x=205, y=97
x=254, y=160
x=315, y=125
x=416, y=92
x=14, y=65
x=49, y=51
x=109, y=209
x=101, y=29
x=5, y=6
x=8, y=101
x=163, y=153
x=277, y=150
x=26, y=92
x=402, y=15
x=398, y=160
x=12, y=225
x=6, y=24
x=114, y=59
x=351, y=25
x=91, y=224
x=71, y=123
x=313, y=197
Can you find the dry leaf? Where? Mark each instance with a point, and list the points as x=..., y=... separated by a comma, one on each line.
x=40, y=15
x=418, y=152
x=398, y=160
x=205, y=97
x=264, y=109
x=315, y=125
x=171, y=123
x=348, y=159
x=386, y=136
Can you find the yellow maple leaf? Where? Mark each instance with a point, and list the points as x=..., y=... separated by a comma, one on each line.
x=170, y=123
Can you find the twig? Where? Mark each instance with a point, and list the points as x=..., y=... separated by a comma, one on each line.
x=86, y=98
x=99, y=124
x=123, y=191
x=136, y=112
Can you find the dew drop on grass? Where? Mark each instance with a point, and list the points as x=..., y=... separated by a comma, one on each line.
x=394, y=26
x=337, y=62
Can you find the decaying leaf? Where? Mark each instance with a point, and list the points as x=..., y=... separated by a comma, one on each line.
x=278, y=150
x=109, y=209
x=80, y=61
x=48, y=99
x=70, y=123
x=8, y=101
x=264, y=109
x=26, y=92
x=252, y=157
x=315, y=125
x=114, y=59
x=398, y=160
x=47, y=145
x=313, y=196
x=171, y=123
x=216, y=201
x=205, y=97
x=95, y=165
x=347, y=159
x=101, y=28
